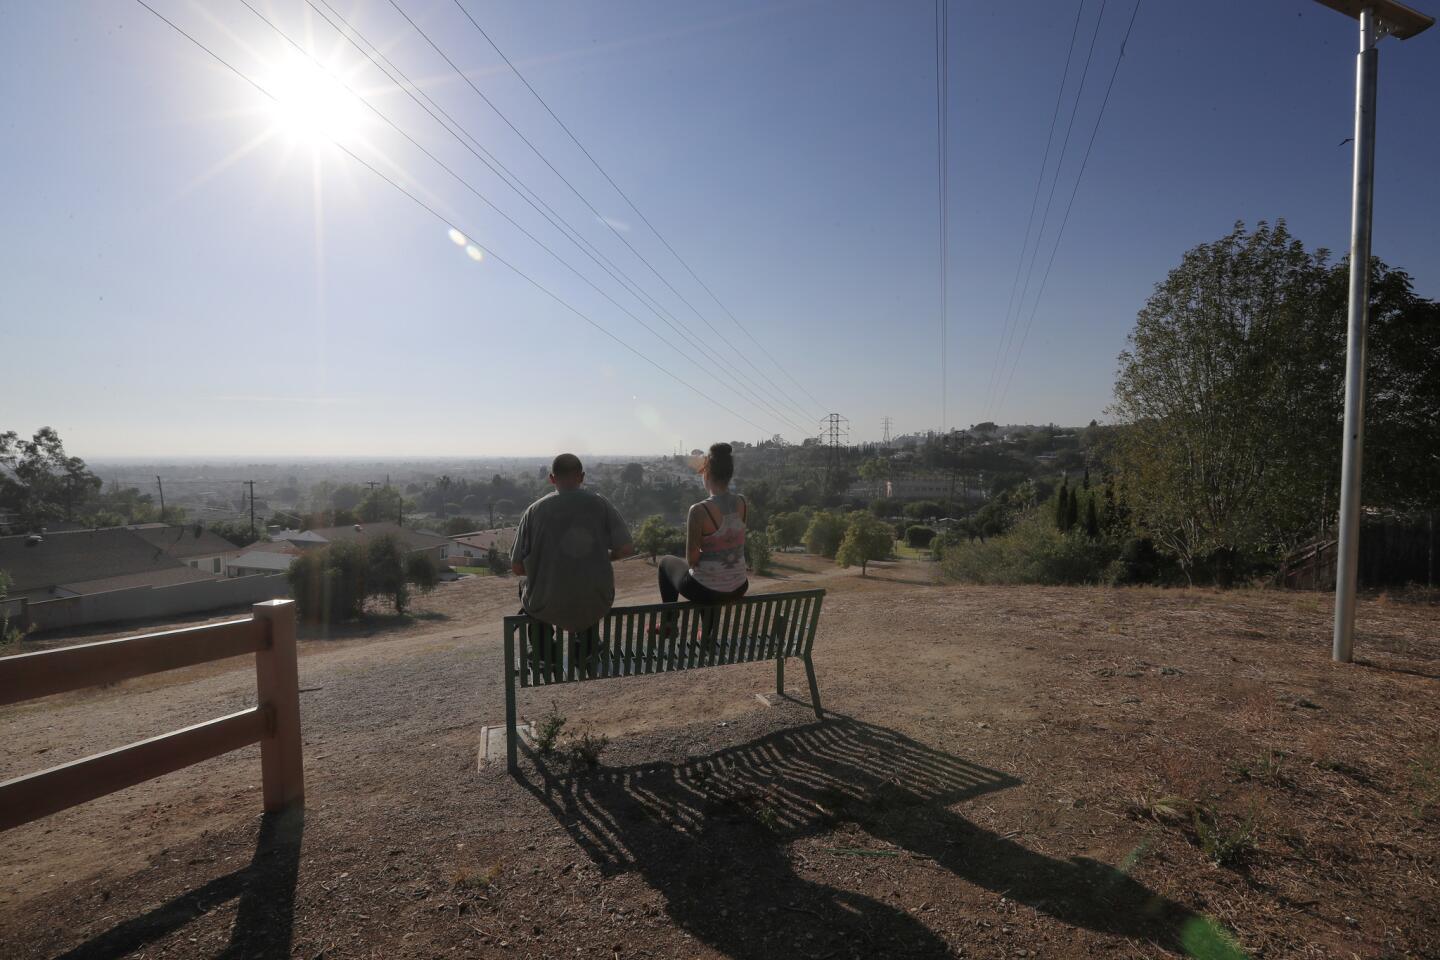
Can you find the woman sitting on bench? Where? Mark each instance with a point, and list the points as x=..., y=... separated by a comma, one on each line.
x=713, y=570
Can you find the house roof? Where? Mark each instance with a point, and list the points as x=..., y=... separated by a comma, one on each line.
x=264, y=560
x=485, y=539
x=364, y=532
x=299, y=536
x=81, y=557
x=149, y=578
x=186, y=541
x=273, y=546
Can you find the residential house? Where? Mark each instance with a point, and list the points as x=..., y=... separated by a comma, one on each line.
x=81, y=562
x=193, y=546
x=263, y=557
x=472, y=549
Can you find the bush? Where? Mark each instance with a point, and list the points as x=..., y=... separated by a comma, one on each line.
x=757, y=552
x=1034, y=552
x=919, y=537
x=945, y=541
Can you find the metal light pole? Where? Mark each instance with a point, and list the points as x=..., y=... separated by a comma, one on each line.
x=1378, y=18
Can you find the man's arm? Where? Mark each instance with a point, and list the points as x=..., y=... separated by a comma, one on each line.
x=521, y=550
x=620, y=545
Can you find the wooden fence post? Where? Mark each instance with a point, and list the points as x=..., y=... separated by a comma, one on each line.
x=277, y=681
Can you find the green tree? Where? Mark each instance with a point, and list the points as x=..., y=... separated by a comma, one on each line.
x=633, y=474
x=924, y=510
x=1230, y=393
x=1092, y=518
x=866, y=539
x=379, y=503
x=455, y=526
x=654, y=536
x=788, y=529
x=236, y=531
x=1062, y=505
x=39, y=480
x=918, y=536
x=875, y=472
x=824, y=534
x=1072, y=510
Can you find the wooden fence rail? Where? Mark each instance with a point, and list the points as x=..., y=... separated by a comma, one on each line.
x=274, y=723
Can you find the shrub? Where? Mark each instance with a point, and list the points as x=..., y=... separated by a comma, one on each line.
x=757, y=552
x=548, y=730
x=1034, y=552
x=919, y=537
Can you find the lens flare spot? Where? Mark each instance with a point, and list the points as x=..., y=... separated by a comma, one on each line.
x=457, y=238
x=474, y=253
x=648, y=416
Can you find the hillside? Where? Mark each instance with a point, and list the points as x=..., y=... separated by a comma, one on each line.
x=1007, y=772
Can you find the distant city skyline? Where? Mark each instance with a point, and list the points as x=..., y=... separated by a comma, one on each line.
x=194, y=271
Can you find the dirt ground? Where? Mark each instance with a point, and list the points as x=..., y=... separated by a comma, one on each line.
x=1004, y=772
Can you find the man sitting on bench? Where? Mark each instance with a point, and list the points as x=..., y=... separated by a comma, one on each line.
x=563, y=548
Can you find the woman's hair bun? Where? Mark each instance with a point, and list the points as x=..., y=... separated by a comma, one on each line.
x=721, y=464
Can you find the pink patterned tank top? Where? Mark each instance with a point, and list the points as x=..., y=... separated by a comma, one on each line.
x=722, y=553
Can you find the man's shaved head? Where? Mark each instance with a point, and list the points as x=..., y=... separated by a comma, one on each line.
x=566, y=467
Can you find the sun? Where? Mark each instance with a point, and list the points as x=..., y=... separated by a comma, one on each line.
x=311, y=107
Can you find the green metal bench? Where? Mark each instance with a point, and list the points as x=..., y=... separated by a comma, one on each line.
x=631, y=641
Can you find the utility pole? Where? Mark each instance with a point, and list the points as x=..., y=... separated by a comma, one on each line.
x=161, y=485
x=252, y=508
x=1378, y=18
x=886, y=422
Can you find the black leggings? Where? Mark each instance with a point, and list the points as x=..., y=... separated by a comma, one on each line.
x=676, y=582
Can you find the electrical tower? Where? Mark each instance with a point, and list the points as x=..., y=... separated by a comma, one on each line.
x=834, y=436
x=887, y=423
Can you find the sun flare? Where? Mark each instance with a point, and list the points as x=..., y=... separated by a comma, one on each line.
x=311, y=106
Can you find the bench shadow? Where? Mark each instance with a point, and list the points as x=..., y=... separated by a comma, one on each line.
x=264, y=916
x=711, y=836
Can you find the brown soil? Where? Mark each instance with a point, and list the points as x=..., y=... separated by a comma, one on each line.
x=1005, y=772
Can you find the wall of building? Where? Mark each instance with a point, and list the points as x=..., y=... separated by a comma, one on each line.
x=149, y=603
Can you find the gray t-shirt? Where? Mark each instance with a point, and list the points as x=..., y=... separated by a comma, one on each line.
x=564, y=541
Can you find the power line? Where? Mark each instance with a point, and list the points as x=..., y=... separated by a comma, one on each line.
x=1055, y=181
x=1000, y=351
x=942, y=113
x=385, y=65
x=631, y=204
x=1066, y=219
x=563, y=179
x=761, y=402
x=447, y=222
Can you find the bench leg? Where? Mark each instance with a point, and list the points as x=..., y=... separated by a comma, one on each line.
x=814, y=688
x=511, y=761
x=780, y=675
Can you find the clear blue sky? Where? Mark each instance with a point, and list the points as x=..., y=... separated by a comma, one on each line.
x=158, y=300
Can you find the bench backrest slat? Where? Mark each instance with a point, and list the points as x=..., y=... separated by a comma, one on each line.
x=659, y=638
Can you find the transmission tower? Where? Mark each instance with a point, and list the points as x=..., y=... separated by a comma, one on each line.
x=835, y=436
x=886, y=422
